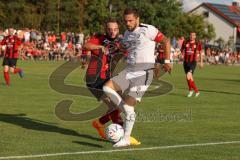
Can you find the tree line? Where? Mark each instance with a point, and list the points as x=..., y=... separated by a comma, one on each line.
x=88, y=16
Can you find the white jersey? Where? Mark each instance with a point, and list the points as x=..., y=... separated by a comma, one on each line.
x=140, y=44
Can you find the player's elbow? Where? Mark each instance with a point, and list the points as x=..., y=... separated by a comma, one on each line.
x=87, y=46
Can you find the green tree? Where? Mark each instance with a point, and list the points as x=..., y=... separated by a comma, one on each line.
x=195, y=23
x=90, y=15
x=97, y=12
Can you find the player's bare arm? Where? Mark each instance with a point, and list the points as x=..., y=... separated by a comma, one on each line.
x=166, y=48
x=201, y=56
x=90, y=46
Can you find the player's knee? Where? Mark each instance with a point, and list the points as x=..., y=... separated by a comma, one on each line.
x=112, y=85
x=11, y=70
x=112, y=94
x=108, y=89
x=131, y=101
x=6, y=70
x=109, y=84
x=189, y=75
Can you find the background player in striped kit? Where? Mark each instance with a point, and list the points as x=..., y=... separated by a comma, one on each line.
x=12, y=43
x=191, y=49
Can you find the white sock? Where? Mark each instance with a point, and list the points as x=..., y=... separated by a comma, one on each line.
x=130, y=117
x=114, y=96
x=128, y=111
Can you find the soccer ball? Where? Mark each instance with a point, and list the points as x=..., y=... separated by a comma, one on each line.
x=114, y=132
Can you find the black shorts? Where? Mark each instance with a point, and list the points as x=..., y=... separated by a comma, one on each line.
x=11, y=62
x=189, y=67
x=83, y=57
x=96, y=88
x=159, y=61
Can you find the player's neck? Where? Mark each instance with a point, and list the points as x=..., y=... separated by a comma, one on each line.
x=192, y=41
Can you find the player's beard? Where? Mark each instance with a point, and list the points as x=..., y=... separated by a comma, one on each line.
x=132, y=28
x=110, y=36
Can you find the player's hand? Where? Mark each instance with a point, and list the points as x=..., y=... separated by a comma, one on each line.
x=104, y=50
x=167, y=67
x=201, y=65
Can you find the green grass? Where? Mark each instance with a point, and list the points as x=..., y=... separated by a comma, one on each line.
x=28, y=125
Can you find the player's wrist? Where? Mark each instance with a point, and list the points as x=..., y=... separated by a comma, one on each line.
x=167, y=61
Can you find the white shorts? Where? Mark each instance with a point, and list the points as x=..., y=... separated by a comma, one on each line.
x=134, y=83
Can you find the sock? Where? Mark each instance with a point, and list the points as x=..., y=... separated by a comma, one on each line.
x=128, y=111
x=130, y=117
x=16, y=70
x=114, y=96
x=104, y=119
x=7, y=78
x=115, y=117
x=194, y=86
x=189, y=85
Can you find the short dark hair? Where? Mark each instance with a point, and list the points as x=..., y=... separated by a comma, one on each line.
x=111, y=20
x=133, y=11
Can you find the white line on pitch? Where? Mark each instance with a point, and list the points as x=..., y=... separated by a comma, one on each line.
x=119, y=150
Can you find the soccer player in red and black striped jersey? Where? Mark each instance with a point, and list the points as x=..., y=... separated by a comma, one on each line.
x=191, y=49
x=12, y=43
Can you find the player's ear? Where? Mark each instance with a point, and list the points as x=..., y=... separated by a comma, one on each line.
x=138, y=20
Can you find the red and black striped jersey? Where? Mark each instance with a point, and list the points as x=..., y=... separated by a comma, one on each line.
x=190, y=50
x=12, y=44
x=100, y=63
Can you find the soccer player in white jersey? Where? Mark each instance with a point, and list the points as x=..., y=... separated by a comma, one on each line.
x=139, y=40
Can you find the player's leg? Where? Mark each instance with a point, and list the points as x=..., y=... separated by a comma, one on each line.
x=6, y=63
x=188, y=72
x=111, y=89
x=157, y=70
x=116, y=117
x=14, y=69
x=99, y=124
x=113, y=112
x=130, y=116
x=192, y=68
x=95, y=87
x=137, y=88
x=6, y=74
x=189, y=81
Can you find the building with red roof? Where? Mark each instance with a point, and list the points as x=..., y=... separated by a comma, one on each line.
x=225, y=19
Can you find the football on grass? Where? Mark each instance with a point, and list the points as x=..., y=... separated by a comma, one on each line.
x=114, y=132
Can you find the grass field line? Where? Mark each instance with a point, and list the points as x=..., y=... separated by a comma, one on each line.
x=119, y=150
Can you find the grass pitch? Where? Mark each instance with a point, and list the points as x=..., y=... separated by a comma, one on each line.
x=28, y=125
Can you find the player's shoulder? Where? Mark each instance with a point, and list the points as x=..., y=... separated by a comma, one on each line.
x=147, y=26
x=96, y=37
